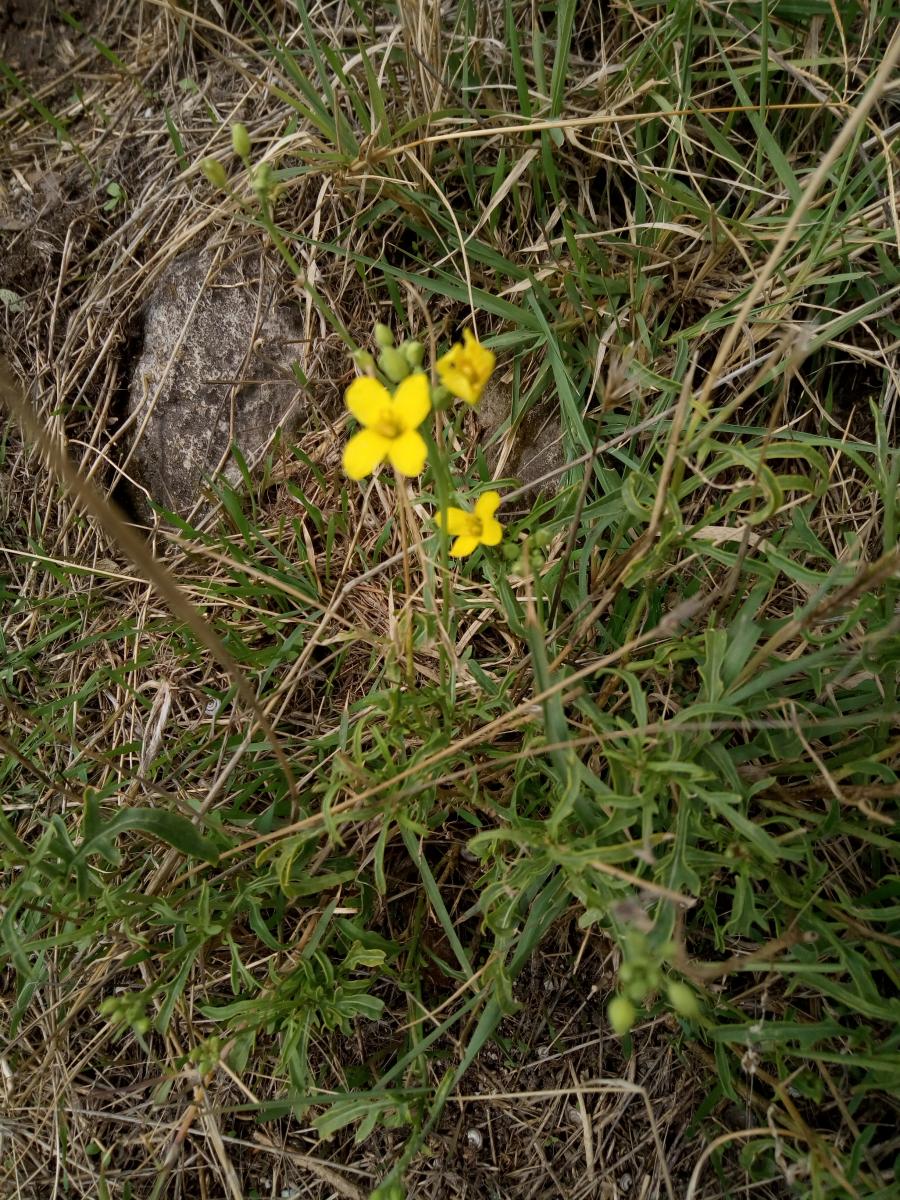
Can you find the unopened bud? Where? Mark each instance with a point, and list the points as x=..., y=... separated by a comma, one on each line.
x=240, y=140
x=262, y=179
x=683, y=1000
x=214, y=172
x=621, y=1013
x=393, y=364
x=364, y=360
x=414, y=352
x=440, y=398
x=383, y=335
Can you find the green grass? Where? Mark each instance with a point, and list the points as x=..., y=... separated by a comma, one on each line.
x=662, y=735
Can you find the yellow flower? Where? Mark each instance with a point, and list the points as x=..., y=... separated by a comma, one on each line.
x=389, y=426
x=473, y=529
x=466, y=368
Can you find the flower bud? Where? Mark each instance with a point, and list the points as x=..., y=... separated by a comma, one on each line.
x=621, y=1013
x=383, y=335
x=414, y=352
x=364, y=360
x=240, y=140
x=542, y=538
x=262, y=179
x=683, y=1000
x=393, y=364
x=214, y=172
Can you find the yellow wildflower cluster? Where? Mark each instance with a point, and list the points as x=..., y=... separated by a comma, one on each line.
x=390, y=423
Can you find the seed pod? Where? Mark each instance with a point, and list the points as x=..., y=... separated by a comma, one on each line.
x=383, y=335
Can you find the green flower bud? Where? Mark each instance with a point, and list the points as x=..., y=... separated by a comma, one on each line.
x=214, y=172
x=542, y=538
x=262, y=179
x=414, y=353
x=383, y=335
x=393, y=364
x=510, y=551
x=364, y=360
x=622, y=1014
x=683, y=1000
x=240, y=140
x=637, y=989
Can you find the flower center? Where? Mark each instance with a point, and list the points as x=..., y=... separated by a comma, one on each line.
x=470, y=371
x=387, y=424
x=473, y=526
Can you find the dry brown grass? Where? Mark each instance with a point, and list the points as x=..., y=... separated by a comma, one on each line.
x=554, y=1106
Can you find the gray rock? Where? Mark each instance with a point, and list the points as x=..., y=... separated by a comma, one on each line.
x=214, y=370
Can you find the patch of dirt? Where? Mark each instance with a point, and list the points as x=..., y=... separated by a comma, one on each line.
x=528, y=450
x=34, y=37
x=35, y=219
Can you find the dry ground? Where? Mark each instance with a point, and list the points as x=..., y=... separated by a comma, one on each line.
x=133, y=94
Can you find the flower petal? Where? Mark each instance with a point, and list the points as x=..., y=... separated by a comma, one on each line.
x=482, y=358
x=463, y=546
x=456, y=521
x=364, y=452
x=367, y=399
x=486, y=505
x=491, y=532
x=412, y=402
x=408, y=453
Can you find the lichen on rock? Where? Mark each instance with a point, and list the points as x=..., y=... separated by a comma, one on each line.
x=213, y=372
